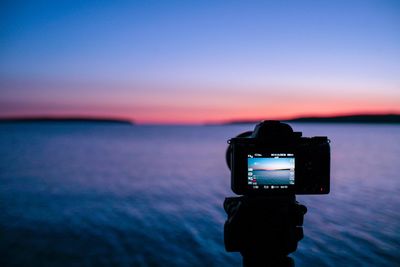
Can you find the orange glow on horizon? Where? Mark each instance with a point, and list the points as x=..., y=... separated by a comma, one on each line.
x=211, y=114
x=226, y=119
x=201, y=117
x=279, y=110
x=180, y=105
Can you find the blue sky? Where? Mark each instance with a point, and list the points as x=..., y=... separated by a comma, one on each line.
x=270, y=163
x=180, y=61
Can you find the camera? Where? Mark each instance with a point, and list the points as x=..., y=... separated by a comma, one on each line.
x=275, y=160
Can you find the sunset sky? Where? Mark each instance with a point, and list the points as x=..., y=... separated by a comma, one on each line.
x=199, y=61
x=270, y=163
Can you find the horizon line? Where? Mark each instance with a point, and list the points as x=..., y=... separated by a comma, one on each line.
x=209, y=123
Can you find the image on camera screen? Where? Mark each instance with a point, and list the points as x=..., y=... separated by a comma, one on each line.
x=271, y=171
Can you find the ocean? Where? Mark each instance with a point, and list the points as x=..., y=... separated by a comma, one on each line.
x=75, y=194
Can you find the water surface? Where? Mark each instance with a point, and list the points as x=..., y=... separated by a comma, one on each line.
x=92, y=195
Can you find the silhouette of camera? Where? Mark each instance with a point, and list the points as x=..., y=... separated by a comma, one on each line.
x=275, y=160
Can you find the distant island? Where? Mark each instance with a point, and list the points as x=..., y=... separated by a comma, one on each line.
x=386, y=118
x=64, y=120
x=360, y=118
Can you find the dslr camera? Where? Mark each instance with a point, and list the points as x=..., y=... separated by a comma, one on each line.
x=275, y=160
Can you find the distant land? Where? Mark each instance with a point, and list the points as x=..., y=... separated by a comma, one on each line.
x=64, y=120
x=359, y=118
x=381, y=119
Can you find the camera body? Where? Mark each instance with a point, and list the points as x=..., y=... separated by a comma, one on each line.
x=274, y=160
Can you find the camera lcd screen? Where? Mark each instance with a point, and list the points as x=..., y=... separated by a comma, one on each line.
x=271, y=170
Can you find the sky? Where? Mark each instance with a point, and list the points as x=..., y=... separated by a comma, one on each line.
x=199, y=61
x=270, y=163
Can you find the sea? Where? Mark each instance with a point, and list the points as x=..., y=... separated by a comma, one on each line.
x=104, y=194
